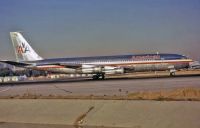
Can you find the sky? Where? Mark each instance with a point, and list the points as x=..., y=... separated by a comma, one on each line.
x=71, y=28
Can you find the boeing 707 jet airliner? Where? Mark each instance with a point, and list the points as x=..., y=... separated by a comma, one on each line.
x=98, y=66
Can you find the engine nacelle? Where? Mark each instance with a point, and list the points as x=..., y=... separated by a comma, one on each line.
x=91, y=69
x=98, y=69
x=129, y=69
x=113, y=70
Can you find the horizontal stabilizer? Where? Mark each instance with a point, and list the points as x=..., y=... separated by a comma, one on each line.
x=17, y=64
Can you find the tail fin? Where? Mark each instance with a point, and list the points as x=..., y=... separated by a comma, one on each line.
x=23, y=51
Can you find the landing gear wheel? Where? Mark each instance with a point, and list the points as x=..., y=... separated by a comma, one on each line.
x=103, y=76
x=172, y=73
x=98, y=76
x=95, y=77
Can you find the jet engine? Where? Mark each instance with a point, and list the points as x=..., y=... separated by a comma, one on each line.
x=113, y=70
x=91, y=69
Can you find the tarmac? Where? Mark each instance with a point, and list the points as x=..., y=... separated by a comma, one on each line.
x=82, y=113
x=112, y=113
x=117, y=86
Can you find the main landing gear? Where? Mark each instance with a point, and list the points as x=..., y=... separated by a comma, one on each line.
x=98, y=77
x=172, y=72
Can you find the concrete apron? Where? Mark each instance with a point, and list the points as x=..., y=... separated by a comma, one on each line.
x=108, y=113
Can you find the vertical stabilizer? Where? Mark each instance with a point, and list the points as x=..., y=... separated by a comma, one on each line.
x=23, y=51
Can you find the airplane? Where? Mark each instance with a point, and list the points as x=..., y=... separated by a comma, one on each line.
x=98, y=66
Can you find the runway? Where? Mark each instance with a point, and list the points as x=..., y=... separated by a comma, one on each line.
x=117, y=86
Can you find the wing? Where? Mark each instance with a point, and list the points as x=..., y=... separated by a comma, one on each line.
x=33, y=65
x=81, y=68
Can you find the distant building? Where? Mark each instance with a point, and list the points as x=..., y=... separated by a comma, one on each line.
x=2, y=65
x=9, y=70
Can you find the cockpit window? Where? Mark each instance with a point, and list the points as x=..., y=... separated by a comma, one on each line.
x=184, y=57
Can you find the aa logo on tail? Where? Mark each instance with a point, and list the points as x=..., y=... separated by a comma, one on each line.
x=22, y=48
